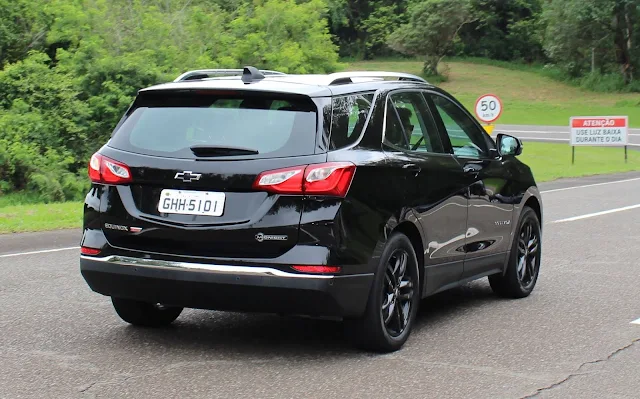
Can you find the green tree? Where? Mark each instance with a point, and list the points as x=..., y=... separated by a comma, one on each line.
x=22, y=28
x=283, y=35
x=362, y=27
x=593, y=35
x=432, y=27
x=504, y=30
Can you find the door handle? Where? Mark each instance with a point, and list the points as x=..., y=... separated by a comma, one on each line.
x=474, y=167
x=412, y=167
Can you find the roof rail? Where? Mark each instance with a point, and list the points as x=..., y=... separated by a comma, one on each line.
x=208, y=73
x=346, y=77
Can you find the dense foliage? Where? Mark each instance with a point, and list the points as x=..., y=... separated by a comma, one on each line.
x=69, y=68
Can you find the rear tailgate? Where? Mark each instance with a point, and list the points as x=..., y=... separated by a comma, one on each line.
x=200, y=202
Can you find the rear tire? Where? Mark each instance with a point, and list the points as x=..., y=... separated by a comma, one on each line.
x=393, y=300
x=523, y=267
x=145, y=314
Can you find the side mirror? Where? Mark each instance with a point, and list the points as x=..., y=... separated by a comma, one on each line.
x=509, y=145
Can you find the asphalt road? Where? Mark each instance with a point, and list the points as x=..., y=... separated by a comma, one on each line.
x=557, y=134
x=573, y=337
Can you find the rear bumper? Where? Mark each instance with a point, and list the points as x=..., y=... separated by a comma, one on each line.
x=223, y=287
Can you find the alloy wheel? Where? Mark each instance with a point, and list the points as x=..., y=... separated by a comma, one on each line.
x=528, y=249
x=397, y=294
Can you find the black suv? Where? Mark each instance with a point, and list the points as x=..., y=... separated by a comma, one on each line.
x=349, y=195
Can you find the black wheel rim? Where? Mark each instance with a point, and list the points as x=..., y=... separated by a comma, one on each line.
x=397, y=293
x=528, y=254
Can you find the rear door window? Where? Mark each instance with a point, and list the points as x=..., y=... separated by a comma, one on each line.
x=169, y=124
x=410, y=126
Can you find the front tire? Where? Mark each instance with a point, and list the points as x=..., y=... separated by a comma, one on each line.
x=145, y=314
x=524, y=261
x=393, y=300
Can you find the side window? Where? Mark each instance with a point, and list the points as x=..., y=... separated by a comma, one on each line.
x=349, y=115
x=409, y=124
x=466, y=138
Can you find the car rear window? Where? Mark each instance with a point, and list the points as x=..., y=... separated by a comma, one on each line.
x=169, y=124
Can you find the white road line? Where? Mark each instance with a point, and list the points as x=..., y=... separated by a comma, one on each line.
x=542, y=139
x=545, y=132
x=565, y=140
x=591, y=215
x=589, y=185
x=636, y=322
x=39, y=252
x=531, y=131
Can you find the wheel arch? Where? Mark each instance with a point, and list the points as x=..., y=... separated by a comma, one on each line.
x=414, y=235
x=534, y=204
x=533, y=200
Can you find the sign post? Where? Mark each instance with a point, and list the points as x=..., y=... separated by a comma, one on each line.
x=609, y=131
x=488, y=109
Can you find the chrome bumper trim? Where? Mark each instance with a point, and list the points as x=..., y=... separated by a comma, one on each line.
x=203, y=267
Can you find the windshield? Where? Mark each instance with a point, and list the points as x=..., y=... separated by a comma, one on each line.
x=170, y=124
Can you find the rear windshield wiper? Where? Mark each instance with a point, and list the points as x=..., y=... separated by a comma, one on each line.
x=217, y=151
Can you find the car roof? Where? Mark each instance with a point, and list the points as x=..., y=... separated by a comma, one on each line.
x=312, y=85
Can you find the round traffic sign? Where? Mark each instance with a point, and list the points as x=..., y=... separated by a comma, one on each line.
x=488, y=108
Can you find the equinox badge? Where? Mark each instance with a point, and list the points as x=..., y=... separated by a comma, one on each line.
x=260, y=237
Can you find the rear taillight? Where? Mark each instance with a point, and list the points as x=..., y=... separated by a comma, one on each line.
x=333, y=178
x=281, y=181
x=317, y=269
x=106, y=170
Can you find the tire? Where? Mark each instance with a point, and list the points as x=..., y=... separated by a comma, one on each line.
x=523, y=266
x=145, y=314
x=370, y=331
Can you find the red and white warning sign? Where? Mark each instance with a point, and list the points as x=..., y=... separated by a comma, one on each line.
x=599, y=130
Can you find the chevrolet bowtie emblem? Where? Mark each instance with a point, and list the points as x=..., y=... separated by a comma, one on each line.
x=187, y=176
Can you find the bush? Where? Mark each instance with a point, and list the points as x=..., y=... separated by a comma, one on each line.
x=603, y=83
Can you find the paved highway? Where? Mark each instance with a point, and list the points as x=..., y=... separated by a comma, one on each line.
x=573, y=337
x=559, y=134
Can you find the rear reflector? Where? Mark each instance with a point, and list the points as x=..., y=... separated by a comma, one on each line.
x=89, y=251
x=318, y=269
x=332, y=178
x=106, y=170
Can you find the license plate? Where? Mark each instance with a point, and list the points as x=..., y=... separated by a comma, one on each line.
x=191, y=202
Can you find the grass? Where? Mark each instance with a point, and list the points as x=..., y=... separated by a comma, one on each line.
x=550, y=161
x=40, y=217
x=21, y=212
x=529, y=98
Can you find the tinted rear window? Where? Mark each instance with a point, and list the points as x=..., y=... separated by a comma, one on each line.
x=170, y=123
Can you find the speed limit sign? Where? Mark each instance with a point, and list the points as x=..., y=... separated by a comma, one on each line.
x=488, y=108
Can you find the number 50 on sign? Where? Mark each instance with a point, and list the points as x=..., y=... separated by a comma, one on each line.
x=488, y=108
